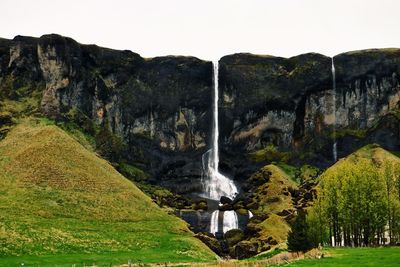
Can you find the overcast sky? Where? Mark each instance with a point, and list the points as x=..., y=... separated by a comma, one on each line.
x=209, y=29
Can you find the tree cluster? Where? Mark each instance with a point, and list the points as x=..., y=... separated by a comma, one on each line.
x=357, y=206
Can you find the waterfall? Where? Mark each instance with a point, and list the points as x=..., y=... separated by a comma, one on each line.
x=250, y=214
x=214, y=222
x=334, y=148
x=230, y=221
x=216, y=184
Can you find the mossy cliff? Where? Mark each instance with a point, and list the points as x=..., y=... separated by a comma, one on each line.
x=290, y=103
x=155, y=113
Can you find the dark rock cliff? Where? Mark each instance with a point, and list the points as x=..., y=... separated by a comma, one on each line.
x=271, y=108
x=289, y=105
x=159, y=106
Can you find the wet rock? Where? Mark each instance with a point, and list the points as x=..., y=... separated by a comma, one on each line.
x=245, y=249
x=234, y=236
x=210, y=241
x=225, y=200
x=225, y=207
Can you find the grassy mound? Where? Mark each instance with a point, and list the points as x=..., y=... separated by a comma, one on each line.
x=58, y=198
x=274, y=204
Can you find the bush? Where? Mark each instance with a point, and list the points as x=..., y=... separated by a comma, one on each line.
x=298, y=236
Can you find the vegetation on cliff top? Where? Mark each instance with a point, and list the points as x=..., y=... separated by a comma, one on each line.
x=59, y=198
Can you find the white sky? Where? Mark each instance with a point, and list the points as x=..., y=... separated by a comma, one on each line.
x=210, y=29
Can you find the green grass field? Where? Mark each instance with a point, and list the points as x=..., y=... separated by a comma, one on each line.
x=354, y=257
x=62, y=204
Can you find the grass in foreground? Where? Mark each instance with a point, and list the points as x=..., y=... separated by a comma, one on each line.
x=60, y=203
x=338, y=257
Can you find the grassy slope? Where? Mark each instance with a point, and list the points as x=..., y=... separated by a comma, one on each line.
x=57, y=198
x=372, y=154
x=338, y=257
x=271, y=201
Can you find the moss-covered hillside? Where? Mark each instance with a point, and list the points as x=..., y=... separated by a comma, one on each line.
x=57, y=197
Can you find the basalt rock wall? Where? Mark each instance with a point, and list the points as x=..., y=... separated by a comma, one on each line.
x=289, y=104
x=161, y=107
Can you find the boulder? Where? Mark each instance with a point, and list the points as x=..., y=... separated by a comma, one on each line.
x=234, y=236
x=210, y=241
x=225, y=207
x=225, y=200
x=245, y=249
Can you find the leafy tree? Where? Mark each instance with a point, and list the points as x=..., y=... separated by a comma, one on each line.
x=358, y=203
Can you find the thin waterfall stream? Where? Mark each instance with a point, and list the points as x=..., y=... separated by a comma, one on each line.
x=334, y=148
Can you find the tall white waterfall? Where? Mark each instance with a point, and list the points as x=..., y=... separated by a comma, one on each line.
x=216, y=184
x=334, y=148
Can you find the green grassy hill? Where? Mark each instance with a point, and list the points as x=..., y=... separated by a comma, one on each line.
x=58, y=198
x=370, y=154
x=272, y=200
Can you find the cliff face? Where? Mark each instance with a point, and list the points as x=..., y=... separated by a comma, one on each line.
x=290, y=103
x=161, y=107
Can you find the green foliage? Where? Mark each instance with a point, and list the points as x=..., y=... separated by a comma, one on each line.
x=358, y=199
x=299, y=174
x=108, y=144
x=290, y=170
x=317, y=232
x=133, y=172
x=78, y=134
x=358, y=133
x=81, y=121
x=298, y=239
x=308, y=172
x=22, y=106
x=270, y=153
